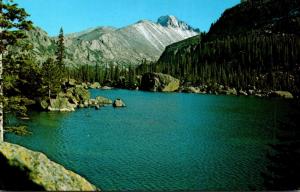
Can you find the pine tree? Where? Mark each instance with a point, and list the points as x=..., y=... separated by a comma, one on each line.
x=13, y=22
x=60, y=53
x=51, y=81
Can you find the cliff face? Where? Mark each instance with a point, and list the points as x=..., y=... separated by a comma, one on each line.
x=23, y=169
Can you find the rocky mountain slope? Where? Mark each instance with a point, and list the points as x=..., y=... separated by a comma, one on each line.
x=107, y=45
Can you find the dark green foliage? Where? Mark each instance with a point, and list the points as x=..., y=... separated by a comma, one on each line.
x=265, y=61
x=21, y=79
x=50, y=78
x=110, y=75
x=13, y=23
x=187, y=42
x=60, y=55
x=276, y=16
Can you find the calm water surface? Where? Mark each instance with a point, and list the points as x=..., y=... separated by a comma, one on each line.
x=162, y=141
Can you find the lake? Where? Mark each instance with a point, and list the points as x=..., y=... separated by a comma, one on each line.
x=162, y=141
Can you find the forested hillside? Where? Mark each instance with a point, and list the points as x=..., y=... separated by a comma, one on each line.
x=254, y=44
x=265, y=16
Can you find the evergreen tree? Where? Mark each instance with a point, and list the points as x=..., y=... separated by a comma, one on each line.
x=51, y=75
x=13, y=22
x=60, y=54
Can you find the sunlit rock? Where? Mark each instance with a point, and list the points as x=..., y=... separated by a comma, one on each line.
x=159, y=82
x=23, y=169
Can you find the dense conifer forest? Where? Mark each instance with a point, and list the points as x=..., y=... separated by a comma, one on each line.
x=255, y=43
x=269, y=61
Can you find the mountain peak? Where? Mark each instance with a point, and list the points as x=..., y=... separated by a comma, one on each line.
x=168, y=21
x=173, y=22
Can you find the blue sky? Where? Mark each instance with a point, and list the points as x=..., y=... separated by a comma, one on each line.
x=78, y=15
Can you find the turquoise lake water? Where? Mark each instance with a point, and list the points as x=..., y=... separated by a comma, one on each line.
x=171, y=141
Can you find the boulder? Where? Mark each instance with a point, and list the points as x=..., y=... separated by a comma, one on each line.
x=23, y=169
x=61, y=104
x=191, y=89
x=81, y=93
x=241, y=92
x=106, y=88
x=159, y=82
x=103, y=100
x=282, y=94
x=44, y=104
x=69, y=92
x=119, y=103
x=93, y=102
x=73, y=100
x=95, y=85
x=70, y=95
x=86, y=103
x=251, y=92
x=231, y=91
x=84, y=85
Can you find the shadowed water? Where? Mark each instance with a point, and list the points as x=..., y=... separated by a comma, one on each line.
x=162, y=141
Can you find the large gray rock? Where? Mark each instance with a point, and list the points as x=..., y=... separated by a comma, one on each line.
x=119, y=103
x=191, y=89
x=230, y=91
x=23, y=169
x=282, y=94
x=81, y=93
x=61, y=104
x=241, y=92
x=103, y=100
x=106, y=88
x=95, y=85
x=93, y=102
x=84, y=85
x=159, y=82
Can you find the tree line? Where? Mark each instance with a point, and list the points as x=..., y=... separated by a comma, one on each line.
x=121, y=76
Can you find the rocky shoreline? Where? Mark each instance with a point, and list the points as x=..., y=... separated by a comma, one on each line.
x=76, y=95
x=223, y=90
x=165, y=83
x=32, y=171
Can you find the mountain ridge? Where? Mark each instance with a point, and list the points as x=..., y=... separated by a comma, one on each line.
x=129, y=45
